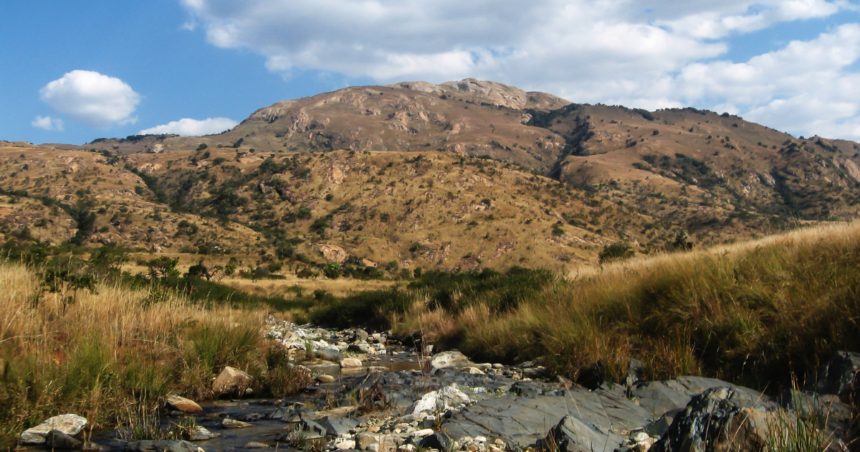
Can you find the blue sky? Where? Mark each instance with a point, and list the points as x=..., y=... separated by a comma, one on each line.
x=76, y=71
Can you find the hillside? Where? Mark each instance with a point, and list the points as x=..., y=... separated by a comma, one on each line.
x=454, y=176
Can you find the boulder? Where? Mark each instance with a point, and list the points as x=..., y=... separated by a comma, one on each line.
x=350, y=362
x=59, y=440
x=722, y=419
x=70, y=424
x=184, y=405
x=452, y=359
x=231, y=380
x=162, y=446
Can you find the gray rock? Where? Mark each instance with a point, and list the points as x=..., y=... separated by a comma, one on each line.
x=162, y=446
x=312, y=429
x=59, y=440
x=573, y=435
x=523, y=421
x=360, y=336
x=721, y=418
x=660, y=397
x=839, y=377
x=280, y=413
x=337, y=426
x=70, y=424
x=439, y=441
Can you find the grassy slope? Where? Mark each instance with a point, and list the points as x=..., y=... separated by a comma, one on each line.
x=750, y=313
x=117, y=350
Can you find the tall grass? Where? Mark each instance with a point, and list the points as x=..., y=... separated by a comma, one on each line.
x=112, y=350
x=751, y=313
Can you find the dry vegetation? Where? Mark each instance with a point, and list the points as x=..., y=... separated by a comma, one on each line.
x=110, y=352
x=751, y=313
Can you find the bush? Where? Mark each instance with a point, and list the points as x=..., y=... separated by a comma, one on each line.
x=616, y=251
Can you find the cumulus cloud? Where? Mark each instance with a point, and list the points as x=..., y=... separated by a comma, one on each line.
x=91, y=98
x=642, y=53
x=48, y=123
x=192, y=127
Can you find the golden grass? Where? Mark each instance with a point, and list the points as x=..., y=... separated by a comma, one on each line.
x=751, y=312
x=114, y=349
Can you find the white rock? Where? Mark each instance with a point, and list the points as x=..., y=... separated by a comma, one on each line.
x=70, y=424
x=423, y=433
x=345, y=445
x=440, y=401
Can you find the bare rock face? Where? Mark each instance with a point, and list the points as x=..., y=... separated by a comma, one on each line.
x=69, y=424
x=183, y=404
x=334, y=253
x=231, y=380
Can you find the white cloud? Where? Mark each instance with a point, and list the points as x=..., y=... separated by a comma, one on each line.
x=92, y=99
x=192, y=127
x=48, y=123
x=640, y=53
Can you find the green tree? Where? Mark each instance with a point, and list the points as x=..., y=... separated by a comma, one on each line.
x=332, y=270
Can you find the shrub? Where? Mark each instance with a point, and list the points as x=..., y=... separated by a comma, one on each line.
x=616, y=251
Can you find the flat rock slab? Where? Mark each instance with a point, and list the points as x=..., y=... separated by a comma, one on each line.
x=70, y=424
x=522, y=421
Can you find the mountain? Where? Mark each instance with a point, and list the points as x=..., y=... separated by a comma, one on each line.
x=459, y=175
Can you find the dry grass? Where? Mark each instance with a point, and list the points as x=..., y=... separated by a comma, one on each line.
x=751, y=313
x=111, y=350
